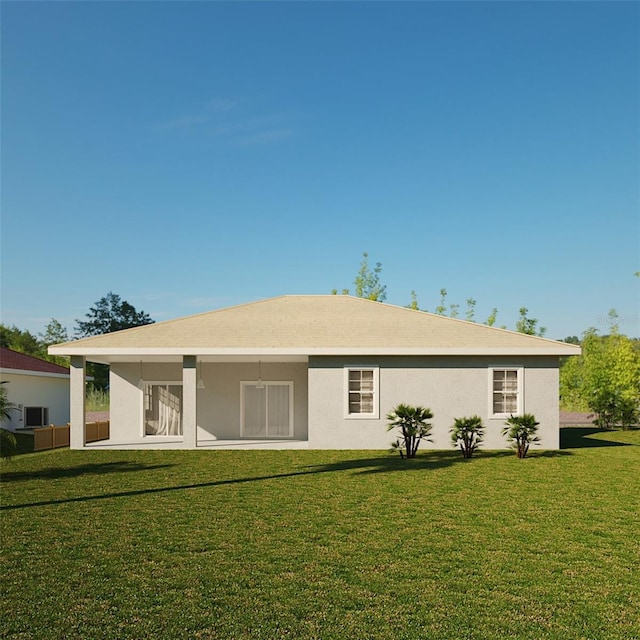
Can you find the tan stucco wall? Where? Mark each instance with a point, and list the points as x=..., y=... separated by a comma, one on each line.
x=452, y=387
x=37, y=391
x=218, y=411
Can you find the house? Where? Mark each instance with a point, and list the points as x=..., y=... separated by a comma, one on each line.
x=40, y=389
x=317, y=372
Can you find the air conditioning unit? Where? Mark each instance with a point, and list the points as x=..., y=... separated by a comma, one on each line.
x=36, y=417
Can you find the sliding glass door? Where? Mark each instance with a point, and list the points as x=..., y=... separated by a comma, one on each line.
x=267, y=410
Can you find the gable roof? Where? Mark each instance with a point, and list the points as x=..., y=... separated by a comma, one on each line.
x=314, y=325
x=17, y=361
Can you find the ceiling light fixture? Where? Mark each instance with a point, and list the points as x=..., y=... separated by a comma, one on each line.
x=140, y=379
x=200, y=384
x=260, y=384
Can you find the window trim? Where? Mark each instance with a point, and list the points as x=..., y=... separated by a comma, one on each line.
x=160, y=383
x=519, y=369
x=375, y=415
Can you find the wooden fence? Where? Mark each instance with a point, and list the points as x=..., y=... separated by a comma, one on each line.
x=53, y=437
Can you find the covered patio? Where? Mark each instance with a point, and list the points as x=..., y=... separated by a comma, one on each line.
x=204, y=401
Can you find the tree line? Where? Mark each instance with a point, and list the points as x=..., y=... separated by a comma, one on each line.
x=368, y=285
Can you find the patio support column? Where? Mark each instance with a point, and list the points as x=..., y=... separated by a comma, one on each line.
x=78, y=392
x=189, y=398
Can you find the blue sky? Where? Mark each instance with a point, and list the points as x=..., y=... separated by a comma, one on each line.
x=195, y=155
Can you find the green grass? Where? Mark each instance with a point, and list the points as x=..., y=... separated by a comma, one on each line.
x=312, y=544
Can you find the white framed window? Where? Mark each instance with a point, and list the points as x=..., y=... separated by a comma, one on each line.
x=266, y=410
x=162, y=409
x=506, y=391
x=361, y=392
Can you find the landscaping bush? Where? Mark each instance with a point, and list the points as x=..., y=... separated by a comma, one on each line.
x=467, y=433
x=521, y=433
x=8, y=443
x=413, y=425
x=611, y=408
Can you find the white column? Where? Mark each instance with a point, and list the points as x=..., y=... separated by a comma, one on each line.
x=77, y=390
x=189, y=398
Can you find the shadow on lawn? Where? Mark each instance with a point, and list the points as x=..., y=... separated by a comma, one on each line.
x=425, y=461
x=55, y=473
x=580, y=437
x=380, y=464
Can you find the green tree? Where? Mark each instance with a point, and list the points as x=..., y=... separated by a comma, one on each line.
x=368, y=283
x=529, y=325
x=471, y=309
x=109, y=314
x=611, y=408
x=607, y=365
x=413, y=425
x=467, y=433
x=414, y=302
x=22, y=341
x=54, y=333
x=491, y=320
x=442, y=307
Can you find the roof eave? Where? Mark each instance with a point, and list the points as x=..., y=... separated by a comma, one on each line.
x=31, y=372
x=553, y=349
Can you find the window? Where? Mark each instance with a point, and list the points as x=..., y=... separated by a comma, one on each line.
x=267, y=410
x=36, y=417
x=506, y=390
x=162, y=409
x=362, y=392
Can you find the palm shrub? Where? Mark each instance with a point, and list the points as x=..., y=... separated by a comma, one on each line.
x=413, y=425
x=8, y=443
x=467, y=433
x=521, y=432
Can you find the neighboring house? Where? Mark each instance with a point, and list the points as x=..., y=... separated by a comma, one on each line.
x=317, y=372
x=40, y=389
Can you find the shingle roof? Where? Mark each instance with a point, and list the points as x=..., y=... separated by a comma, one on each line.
x=10, y=359
x=322, y=324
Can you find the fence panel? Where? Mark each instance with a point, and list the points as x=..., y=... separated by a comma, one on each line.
x=96, y=431
x=53, y=437
x=50, y=437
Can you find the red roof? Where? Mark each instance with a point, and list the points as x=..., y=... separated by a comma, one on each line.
x=14, y=360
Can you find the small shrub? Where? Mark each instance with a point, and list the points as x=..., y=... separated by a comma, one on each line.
x=521, y=432
x=629, y=413
x=611, y=408
x=8, y=443
x=467, y=433
x=413, y=425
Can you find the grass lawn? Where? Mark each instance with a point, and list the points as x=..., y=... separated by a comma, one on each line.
x=324, y=544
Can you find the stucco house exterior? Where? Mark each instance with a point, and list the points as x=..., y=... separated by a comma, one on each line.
x=39, y=388
x=316, y=372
